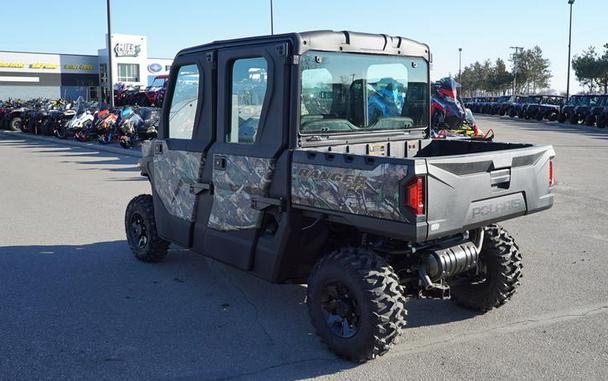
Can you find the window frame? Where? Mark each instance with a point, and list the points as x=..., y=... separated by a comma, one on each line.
x=138, y=78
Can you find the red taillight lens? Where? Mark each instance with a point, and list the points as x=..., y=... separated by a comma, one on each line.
x=551, y=175
x=414, y=195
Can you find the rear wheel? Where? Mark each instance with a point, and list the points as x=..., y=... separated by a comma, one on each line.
x=574, y=119
x=602, y=122
x=15, y=124
x=498, y=276
x=140, y=227
x=590, y=120
x=356, y=303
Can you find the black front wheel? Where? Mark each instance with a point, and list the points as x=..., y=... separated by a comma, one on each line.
x=495, y=280
x=140, y=227
x=356, y=303
x=16, y=124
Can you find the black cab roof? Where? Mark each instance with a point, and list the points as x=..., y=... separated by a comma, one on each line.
x=328, y=40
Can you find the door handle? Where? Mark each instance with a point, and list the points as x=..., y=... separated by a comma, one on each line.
x=219, y=163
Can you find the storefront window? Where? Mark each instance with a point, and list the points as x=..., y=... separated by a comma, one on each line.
x=128, y=72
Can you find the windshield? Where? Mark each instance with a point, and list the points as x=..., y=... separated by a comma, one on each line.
x=345, y=92
x=158, y=82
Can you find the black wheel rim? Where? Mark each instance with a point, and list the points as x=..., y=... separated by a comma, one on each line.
x=340, y=310
x=138, y=233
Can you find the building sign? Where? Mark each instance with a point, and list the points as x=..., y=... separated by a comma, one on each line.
x=44, y=66
x=154, y=68
x=126, y=49
x=12, y=65
x=78, y=67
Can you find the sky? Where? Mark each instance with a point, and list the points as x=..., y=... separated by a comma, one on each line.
x=482, y=28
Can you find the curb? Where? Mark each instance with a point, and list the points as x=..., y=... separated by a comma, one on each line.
x=74, y=143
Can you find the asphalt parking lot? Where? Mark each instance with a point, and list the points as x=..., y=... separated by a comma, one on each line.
x=75, y=304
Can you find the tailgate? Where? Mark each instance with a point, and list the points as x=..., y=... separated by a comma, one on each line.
x=469, y=191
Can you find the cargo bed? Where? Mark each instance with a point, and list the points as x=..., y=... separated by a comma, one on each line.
x=465, y=184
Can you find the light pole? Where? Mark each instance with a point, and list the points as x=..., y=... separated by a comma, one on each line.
x=271, y=18
x=518, y=50
x=109, y=71
x=571, y=2
x=459, y=64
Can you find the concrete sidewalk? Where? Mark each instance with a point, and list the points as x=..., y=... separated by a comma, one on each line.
x=113, y=148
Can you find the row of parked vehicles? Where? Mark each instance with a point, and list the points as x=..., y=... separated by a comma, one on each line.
x=588, y=109
x=81, y=120
x=152, y=95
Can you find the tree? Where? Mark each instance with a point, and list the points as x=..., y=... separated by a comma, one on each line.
x=501, y=78
x=591, y=69
x=539, y=69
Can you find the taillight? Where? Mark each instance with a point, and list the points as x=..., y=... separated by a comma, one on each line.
x=414, y=195
x=551, y=175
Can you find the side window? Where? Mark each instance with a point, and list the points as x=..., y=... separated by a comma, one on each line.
x=249, y=83
x=183, y=104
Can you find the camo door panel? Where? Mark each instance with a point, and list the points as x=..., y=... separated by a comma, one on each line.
x=174, y=172
x=373, y=192
x=233, y=187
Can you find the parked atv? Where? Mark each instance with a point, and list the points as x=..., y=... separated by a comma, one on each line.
x=599, y=113
x=369, y=210
x=151, y=93
x=547, y=108
x=517, y=107
x=450, y=117
x=82, y=120
x=136, y=127
x=570, y=110
x=13, y=113
x=58, y=117
x=105, y=124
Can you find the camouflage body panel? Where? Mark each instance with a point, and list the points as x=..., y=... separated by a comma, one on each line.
x=173, y=173
x=146, y=148
x=373, y=193
x=233, y=188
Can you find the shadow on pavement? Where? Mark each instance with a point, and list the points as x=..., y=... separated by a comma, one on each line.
x=72, y=153
x=93, y=309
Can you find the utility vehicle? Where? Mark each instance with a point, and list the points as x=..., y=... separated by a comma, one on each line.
x=268, y=160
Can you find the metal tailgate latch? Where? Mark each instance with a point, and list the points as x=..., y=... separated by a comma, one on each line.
x=262, y=203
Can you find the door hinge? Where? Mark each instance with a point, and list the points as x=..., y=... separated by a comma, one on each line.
x=293, y=60
x=198, y=188
x=262, y=203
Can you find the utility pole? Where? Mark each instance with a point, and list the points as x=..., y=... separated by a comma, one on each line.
x=271, y=18
x=109, y=71
x=571, y=2
x=459, y=64
x=518, y=50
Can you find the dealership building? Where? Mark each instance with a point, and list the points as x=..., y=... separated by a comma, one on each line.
x=26, y=75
